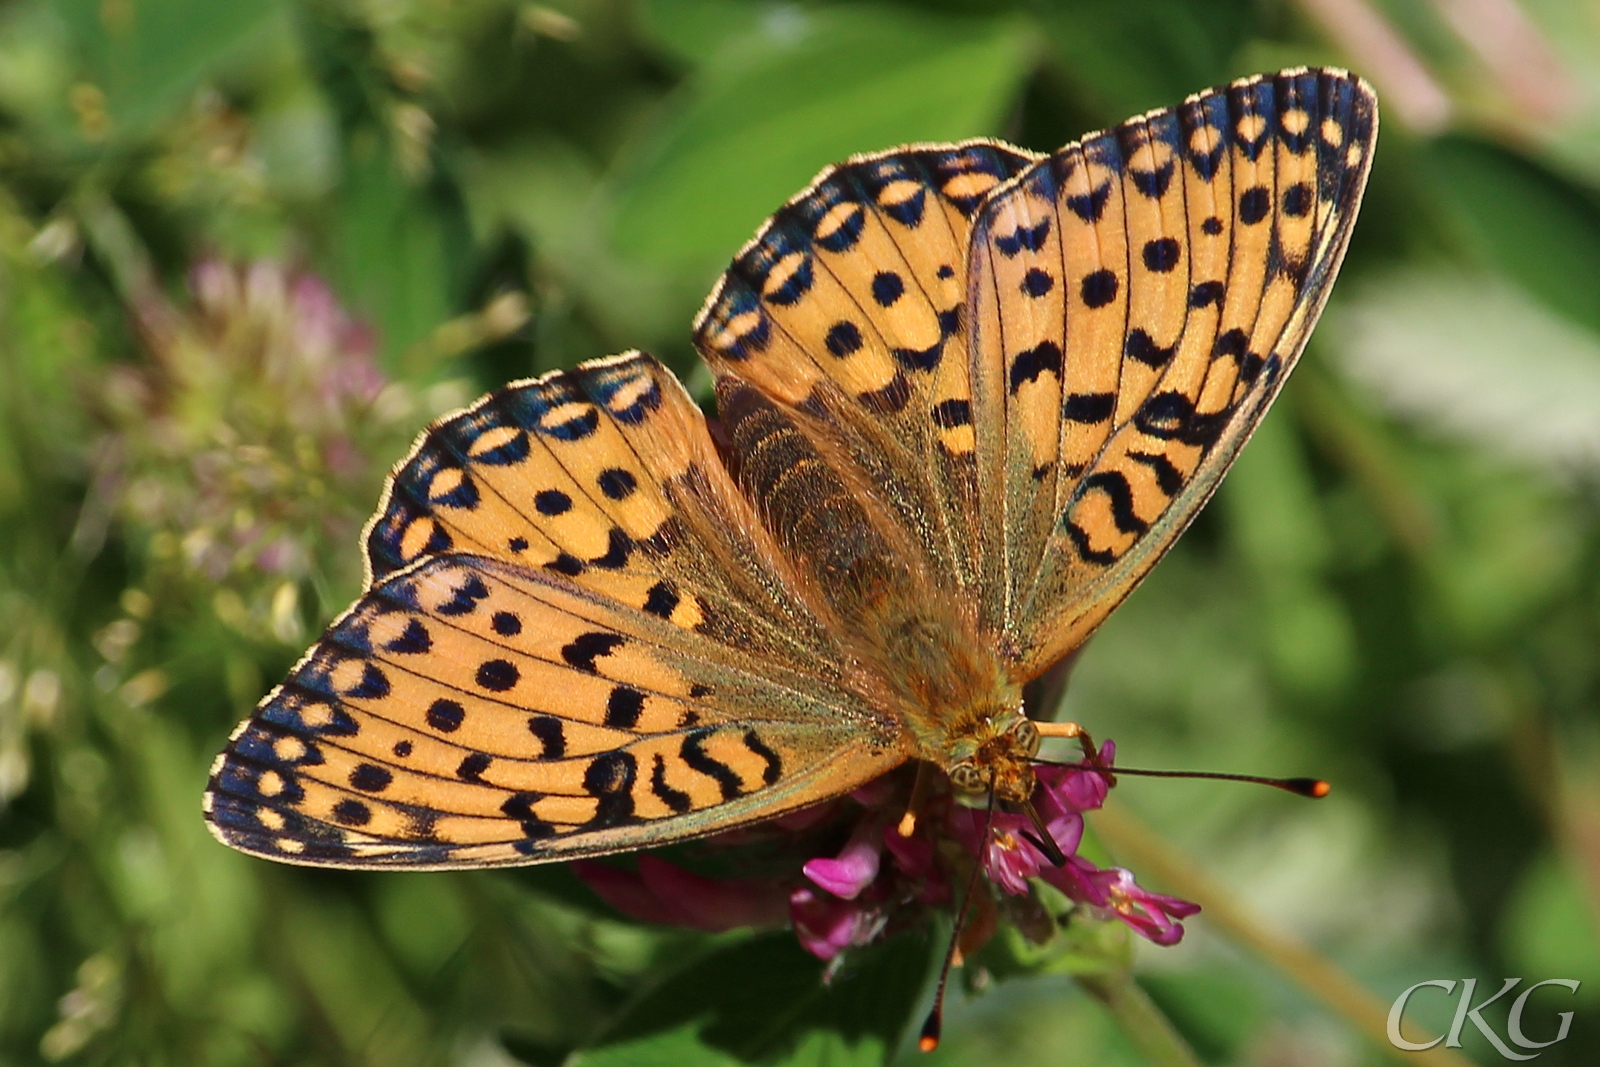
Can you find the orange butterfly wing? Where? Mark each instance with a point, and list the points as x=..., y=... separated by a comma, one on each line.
x=525, y=681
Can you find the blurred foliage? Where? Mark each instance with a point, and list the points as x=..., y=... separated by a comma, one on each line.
x=248, y=248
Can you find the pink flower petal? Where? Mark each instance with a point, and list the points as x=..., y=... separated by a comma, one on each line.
x=659, y=892
x=625, y=890
x=826, y=926
x=854, y=868
x=715, y=904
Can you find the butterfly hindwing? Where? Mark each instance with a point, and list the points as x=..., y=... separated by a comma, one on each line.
x=470, y=712
x=1192, y=249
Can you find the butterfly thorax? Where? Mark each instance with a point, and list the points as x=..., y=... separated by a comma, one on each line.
x=962, y=709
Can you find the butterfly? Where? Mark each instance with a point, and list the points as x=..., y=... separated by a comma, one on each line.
x=967, y=396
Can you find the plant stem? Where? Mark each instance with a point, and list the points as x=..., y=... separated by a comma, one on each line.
x=1151, y=1032
x=1142, y=847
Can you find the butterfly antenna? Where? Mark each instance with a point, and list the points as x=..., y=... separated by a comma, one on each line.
x=1315, y=788
x=934, y=1023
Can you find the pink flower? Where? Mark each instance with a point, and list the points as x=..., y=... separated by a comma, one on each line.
x=661, y=892
x=850, y=895
x=1153, y=915
x=855, y=868
x=826, y=925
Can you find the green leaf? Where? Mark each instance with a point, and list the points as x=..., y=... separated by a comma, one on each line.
x=1550, y=930
x=1455, y=350
x=694, y=30
x=1541, y=232
x=1135, y=56
x=392, y=256
x=146, y=54
x=774, y=105
x=762, y=1000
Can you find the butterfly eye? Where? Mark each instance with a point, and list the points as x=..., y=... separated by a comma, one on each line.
x=964, y=776
x=1026, y=736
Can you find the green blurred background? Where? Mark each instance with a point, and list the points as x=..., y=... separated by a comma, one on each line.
x=248, y=248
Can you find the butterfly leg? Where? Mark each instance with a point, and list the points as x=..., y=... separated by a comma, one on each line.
x=1071, y=730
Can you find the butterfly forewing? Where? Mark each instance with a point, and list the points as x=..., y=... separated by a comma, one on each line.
x=566, y=586
x=1197, y=246
x=605, y=475
x=470, y=712
x=849, y=306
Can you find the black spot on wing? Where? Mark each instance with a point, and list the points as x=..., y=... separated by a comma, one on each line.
x=1205, y=294
x=617, y=483
x=445, y=715
x=1233, y=343
x=1162, y=254
x=352, y=813
x=370, y=778
x=567, y=564
x=1140, y=347
x=1120, y=495
x=1098, y=288
x=619, y=548
x=1255, y=203
x=374, y=684
x=843, y=338
x=675, y=799
x=694, y=754
x=586, y=648
x=623, y=707
x=887, y=288
x=497, y=675
x=1037, y=283
x=1088, y=407
x=1168, y=478
x=1091, y=205
x=466, y=597
x=552, y=502
x=472, y=766
x=1297, y=200
x=1029, y=238
x=551, y=734
x=952, y=413
x=413, y=640
x=920, y=358
x=1152, y=183
x=774, y=764
x=661, y=600
x=1032, y=362
x=609, y=778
